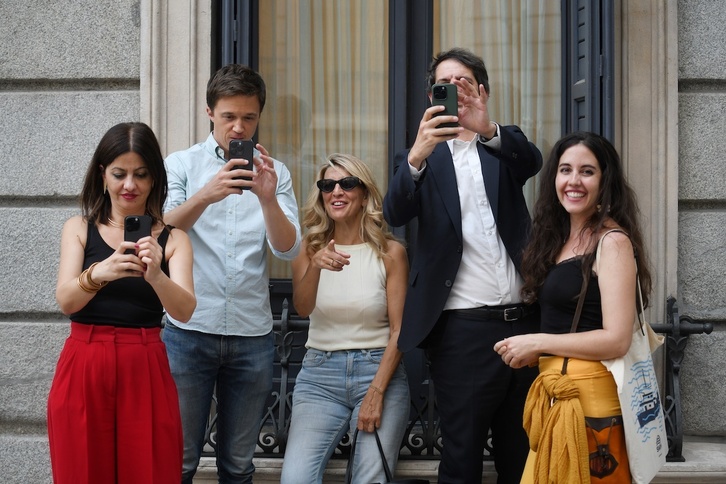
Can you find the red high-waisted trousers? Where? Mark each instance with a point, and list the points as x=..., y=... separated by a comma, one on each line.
x=113, y=409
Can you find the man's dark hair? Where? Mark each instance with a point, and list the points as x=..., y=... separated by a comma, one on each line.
x=465, y=57
x=235, y=80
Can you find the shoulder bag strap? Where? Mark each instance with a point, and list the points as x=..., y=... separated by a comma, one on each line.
x=578, y=312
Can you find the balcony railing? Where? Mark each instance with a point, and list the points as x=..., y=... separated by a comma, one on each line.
x=423, y=437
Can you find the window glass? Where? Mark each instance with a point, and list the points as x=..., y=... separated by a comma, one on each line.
x=519, y=41
x=326, y=69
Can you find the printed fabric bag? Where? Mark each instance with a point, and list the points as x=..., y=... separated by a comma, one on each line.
x=643, y=419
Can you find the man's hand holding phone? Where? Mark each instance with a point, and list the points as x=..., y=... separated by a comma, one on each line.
x=439, y=124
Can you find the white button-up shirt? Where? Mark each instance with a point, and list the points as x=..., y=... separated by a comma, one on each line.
x=487, y=275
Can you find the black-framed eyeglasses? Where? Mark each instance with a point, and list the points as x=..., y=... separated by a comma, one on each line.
x=348, y=183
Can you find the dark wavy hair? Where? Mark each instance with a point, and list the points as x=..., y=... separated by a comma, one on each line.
x=551, y=222
x=119, y=140
x=463, y=56
x=235, y=80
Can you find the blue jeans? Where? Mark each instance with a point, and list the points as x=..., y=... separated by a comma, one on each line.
x=328, y=393
x=241, y=369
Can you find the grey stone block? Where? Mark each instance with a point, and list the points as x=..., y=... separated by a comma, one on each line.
x=701, y=34
x=49, y=137
x=702, y=146
x=27, y=365
x=702, y=390
x=25, y=459
x=69, y=39
x=29, y=249
x=701, y=264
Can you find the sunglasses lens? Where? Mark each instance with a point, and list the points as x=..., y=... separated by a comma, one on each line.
x=326, y=186
x=349, y=183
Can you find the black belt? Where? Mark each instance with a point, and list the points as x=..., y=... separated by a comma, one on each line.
x=504, y=313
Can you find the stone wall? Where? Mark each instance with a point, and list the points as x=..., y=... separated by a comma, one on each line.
x=69, y=70
x=702, y=209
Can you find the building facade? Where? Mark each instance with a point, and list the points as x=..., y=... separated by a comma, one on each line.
x=71, y=69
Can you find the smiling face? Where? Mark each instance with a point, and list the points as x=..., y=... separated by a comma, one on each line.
x=128, y=183
x=342, y=205
x=234, y=117
x=578, y=181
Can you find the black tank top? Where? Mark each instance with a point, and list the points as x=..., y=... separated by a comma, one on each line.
x=558, y=299
x=129, y=302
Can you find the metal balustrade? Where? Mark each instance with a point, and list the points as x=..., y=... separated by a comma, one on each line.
x=423, y=437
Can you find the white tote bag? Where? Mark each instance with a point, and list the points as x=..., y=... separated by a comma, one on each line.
x=643, y=419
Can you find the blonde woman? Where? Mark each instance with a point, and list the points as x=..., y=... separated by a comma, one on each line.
x=350, y=278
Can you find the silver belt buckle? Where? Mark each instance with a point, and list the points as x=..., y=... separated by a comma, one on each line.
x=507, y=316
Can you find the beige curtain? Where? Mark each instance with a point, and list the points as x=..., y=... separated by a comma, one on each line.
x=326, y=68
x=519, y=41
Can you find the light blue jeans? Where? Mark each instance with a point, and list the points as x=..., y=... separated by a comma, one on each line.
x=241, y=369
x=328, y=393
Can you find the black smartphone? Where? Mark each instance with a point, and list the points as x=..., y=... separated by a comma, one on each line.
x=445, y=95
x=136, y=227
x=242, y=148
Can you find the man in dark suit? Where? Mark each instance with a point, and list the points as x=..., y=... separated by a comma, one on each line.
x=464, y=184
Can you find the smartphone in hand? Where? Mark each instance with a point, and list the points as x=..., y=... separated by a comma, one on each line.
x=135, y=228
x=445, y=95
x=242, y=148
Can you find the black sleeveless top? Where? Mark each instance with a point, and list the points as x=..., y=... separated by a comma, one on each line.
x=129, y=302
x=558, y=299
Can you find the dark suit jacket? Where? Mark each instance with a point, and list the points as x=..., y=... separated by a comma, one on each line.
x=434, y=199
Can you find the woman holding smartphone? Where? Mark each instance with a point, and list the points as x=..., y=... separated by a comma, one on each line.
x=113, y=410
x=351, y=278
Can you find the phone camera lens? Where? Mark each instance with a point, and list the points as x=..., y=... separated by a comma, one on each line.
x=439, y=92
x=132, y=224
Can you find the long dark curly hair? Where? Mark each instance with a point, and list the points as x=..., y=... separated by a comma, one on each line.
x=551, y=222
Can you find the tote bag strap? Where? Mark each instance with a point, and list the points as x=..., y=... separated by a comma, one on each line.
x=640, y=306
x=583, y=290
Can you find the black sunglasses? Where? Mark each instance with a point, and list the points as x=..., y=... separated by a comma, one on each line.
x=348, y=183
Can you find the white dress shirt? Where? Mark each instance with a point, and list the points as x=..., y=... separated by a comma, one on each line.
x=487, y=275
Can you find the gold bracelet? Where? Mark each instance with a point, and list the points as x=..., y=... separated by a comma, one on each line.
x=376, y=389
x=82, y=284
x=89, y=278
x=86, y=282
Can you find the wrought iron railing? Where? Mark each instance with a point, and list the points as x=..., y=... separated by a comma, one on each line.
x=423, y=437
x=677, y=330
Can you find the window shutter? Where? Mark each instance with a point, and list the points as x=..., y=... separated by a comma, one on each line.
x=587, y=53
x=236, y=33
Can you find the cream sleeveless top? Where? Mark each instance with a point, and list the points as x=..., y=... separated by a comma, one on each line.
x=351, y=307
